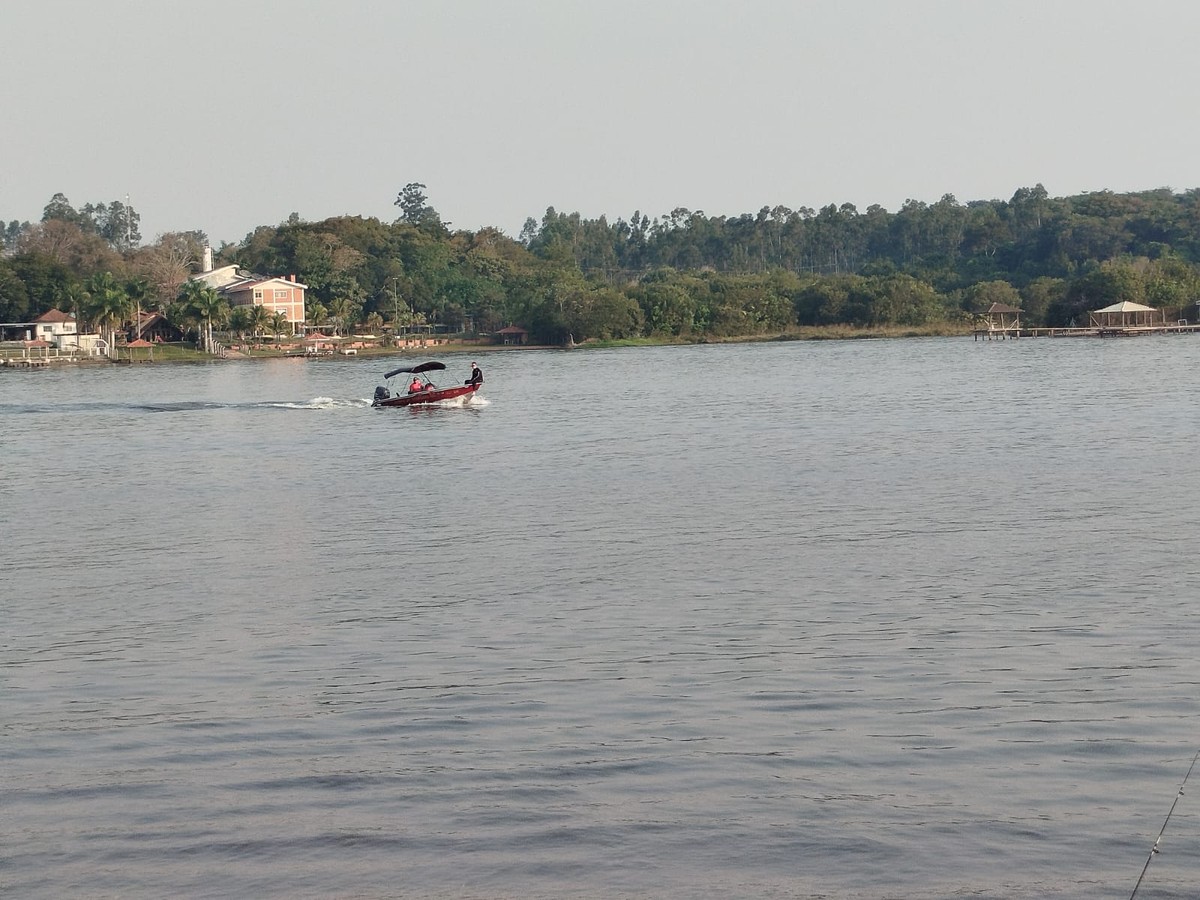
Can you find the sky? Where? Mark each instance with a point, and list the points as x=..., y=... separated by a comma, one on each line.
x=226, y=115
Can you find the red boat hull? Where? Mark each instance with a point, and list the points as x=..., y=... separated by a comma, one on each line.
x=437, y=395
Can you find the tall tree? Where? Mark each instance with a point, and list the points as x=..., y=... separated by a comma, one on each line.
x=207, y=305
x=258, y=318
x=169, y=261
x=108, y=306
x=416, y=211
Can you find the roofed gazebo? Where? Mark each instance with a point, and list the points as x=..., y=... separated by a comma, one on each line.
x=140, y=344
x=1127, y=314
x=1000, y=322
x=28, y=346
x=1002, y=317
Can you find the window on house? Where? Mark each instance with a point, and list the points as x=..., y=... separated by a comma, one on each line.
x=282, y=294
x=258, y=293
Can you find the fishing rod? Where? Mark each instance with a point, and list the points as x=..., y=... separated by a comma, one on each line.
x=1154, y=849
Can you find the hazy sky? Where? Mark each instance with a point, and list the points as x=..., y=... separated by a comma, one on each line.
x=224, y=115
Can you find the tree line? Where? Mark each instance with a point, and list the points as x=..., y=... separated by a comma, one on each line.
x=683, y=274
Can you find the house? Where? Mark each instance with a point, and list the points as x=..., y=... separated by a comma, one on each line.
x=243, y=288
x=155, y=327
x=219, y=278
x=52, y=325
x=278, y=295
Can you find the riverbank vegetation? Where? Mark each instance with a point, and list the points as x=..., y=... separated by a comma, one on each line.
x=684, y=275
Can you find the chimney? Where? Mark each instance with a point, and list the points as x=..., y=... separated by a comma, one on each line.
x=208, y=261
x=292, y=278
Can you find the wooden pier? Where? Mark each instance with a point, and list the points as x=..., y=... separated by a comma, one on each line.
x=1012, y=333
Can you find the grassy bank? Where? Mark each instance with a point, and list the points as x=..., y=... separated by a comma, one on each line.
x=807, y=333
x=178, y=352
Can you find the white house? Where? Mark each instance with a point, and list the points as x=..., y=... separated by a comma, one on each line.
x=55, y=327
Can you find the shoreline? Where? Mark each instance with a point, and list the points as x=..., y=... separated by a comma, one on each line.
x=172, y=354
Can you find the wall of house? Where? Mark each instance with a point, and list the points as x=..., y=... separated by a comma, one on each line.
x=275, y=294
x=48, y=331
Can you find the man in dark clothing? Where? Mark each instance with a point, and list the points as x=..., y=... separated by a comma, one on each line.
x=476, y=375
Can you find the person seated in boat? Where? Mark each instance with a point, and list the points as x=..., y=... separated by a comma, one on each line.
x=476, y=375
x=416, y=386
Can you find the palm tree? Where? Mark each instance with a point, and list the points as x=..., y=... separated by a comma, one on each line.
x=278, y=325
x=239, y=321
x=339, y=311
x=207, y=304
x=318, y=315
x=257, y=318
x=107, y=304
x=77, y=296
x=139, y=292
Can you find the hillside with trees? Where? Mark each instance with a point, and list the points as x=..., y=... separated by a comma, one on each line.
x=681, y=275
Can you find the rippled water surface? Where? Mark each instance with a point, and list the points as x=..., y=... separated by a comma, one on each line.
x=913, y=618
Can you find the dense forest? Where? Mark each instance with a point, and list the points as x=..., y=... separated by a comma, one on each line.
x=683, y=275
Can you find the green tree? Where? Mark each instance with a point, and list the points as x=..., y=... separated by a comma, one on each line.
x=207, y=305
x=980, y=297
x=259, y=319
x=108, y=306
x=14, y=298
x=318, y=315
x=141, y=298
x=1039, y=296
x=342, y=313
x=667, y=308
x=239, y=321
x=278, y=325
x=415, y=209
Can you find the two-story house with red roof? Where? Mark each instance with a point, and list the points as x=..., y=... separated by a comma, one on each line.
x=242, y=288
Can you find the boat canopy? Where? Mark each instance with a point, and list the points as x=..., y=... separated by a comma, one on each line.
x=417, y=370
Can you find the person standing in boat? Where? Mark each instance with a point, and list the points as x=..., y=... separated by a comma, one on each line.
x=476, y=375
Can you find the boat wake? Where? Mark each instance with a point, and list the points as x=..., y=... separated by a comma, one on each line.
x=473, y=401
x=470, y=401
x=321, y=403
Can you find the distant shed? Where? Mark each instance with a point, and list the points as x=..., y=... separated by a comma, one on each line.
x=512, y=334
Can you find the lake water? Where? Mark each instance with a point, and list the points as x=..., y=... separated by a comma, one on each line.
x=909, y=618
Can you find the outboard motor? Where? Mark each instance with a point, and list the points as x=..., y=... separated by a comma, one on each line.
x=382, y=393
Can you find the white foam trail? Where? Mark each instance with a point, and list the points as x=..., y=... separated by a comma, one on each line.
x=323, y=403
x=462, y=402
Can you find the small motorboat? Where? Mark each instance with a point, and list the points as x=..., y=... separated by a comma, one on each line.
x=427, y=393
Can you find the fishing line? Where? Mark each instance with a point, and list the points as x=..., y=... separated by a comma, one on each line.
x=1157, y=840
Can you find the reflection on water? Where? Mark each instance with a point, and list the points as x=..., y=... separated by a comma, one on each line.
x=910, y=618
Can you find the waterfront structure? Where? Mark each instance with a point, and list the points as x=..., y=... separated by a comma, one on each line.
x=1000, y=322
x=1127, y=314
x=50, y=326
x=155, y=327
x=512, y=334
x=243, y=288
